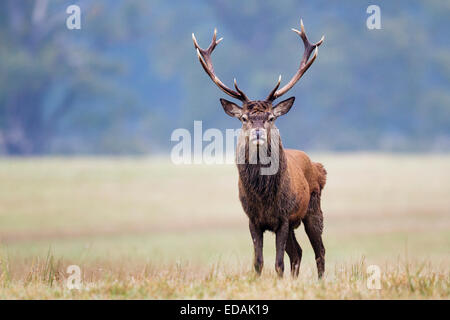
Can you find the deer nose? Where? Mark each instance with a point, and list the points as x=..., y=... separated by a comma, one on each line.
x=258, y=134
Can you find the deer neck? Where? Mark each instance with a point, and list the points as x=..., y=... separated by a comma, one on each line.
x=265, y=187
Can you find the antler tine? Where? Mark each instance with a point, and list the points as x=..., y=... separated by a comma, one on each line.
x=304, y=64
x=271, y=94
x=239, y=90
x=204, y=56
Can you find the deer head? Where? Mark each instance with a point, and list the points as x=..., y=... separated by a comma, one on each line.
x=258, y=116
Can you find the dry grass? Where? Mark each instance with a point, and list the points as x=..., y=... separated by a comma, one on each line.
x=143, y=228
x=47, y=280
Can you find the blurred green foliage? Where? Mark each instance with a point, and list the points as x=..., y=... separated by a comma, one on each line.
x=130, y=76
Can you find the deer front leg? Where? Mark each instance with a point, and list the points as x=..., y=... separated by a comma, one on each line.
x=281, y=239
x=257, y=237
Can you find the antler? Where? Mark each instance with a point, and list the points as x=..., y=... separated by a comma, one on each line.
x=304, y=64
x=204, y=56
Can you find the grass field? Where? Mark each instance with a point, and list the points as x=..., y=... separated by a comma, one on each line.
x=144, y=228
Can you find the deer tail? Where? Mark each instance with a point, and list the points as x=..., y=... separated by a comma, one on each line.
x=321, y=174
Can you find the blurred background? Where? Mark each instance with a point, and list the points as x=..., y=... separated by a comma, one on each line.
x=374, y=109
x=130, y=76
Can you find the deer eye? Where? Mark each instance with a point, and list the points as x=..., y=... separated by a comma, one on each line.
x=244, y=118
x=271, y=118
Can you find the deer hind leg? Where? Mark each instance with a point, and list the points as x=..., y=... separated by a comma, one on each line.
x=313, y=222
x=294, y=252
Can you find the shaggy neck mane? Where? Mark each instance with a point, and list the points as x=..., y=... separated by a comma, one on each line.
x=265, y=187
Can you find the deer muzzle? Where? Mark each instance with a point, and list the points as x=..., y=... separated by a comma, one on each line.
x=258, y=136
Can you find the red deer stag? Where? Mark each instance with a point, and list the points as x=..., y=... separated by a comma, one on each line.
x=281, y=201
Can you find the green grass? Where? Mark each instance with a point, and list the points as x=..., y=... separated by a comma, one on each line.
x=144, y=228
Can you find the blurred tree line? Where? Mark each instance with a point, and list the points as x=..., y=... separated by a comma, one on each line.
x=130, y=76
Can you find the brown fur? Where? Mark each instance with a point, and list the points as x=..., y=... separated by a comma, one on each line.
x=287, y=193
x=281, y=201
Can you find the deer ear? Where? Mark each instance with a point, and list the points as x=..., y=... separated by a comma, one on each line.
x=232, y=109
x=283, y=107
